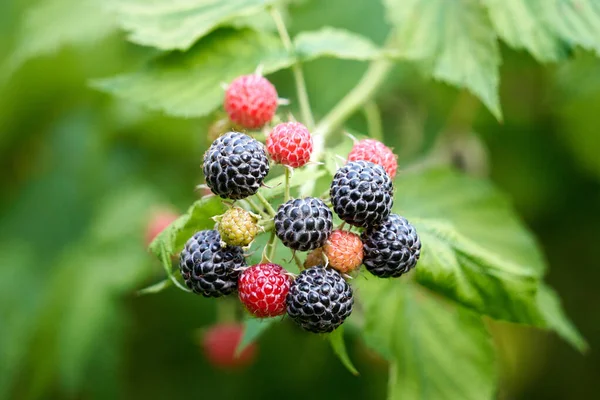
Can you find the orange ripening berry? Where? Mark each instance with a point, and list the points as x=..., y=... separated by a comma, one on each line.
x=344, y=251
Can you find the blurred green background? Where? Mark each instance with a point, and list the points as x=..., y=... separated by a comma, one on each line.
x=82, y=174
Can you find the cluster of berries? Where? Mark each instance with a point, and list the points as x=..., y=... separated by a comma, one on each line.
x=319, y=299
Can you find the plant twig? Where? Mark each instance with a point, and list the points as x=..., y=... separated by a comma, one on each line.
x=266, y=224
x=257, y=208
x=373, y=117
x=365, y=89
x=357, y=97
x=298, y=262
x=287, y=185
x=265, y=203
x=302, y=93
x=271, y=246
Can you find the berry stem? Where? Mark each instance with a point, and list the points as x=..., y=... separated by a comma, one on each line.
x=365, y=89
x=267, y=224
x=302, y=93
x=271, y=246
x=357, y=97
x=256, y=208
x=373, y=117
x=298, y=262
x=266, y=204
x=287, y=185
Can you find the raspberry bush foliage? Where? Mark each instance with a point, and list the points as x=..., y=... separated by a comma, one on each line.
x=410, y=257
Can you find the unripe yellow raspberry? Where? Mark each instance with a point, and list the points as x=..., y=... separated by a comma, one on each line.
x=344, y=251
x=237, y=227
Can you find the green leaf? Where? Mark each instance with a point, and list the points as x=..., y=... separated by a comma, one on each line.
x=80, y=327
x=336, y=338
x=475, y=249
x=520, y=24
x=196, y=218
x=578, y=93
x=575, y=21
x=275, y=186
x=333, y=42
x=556, y=319
x=547, y=28
x=155, y=288
x=52, y=24
x=19, y=311
x=456, y=38
x=92, y=313
x=178, y=24
x=189, y=84
x=253, y=328
x=425, y=339
x=172, y=239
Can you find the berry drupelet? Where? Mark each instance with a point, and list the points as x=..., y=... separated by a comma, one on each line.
x=207, y=268
x=235, y=166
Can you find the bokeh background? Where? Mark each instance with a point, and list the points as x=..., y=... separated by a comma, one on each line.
x=82, y=173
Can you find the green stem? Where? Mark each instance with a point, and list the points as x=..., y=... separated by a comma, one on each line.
x=373, y=116
x=257, y=208
x=265, y=203
x=267, y=224
x=302, y=93
x=365, y=89
x=298, y=262
x=287, y=185
x=271, y=245
x=356, y=98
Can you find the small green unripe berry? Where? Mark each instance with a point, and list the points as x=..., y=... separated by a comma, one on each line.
x=237, y=227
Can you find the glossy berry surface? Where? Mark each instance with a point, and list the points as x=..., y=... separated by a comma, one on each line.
x=344, y=251
x=237, y=227
x=376, y=152
x=319, y=300
x=392, y=248
x=251, y=101
x=303, y=224
x=207, y=268
x=235, y=166
x=362, y=193
x=263, y=288
x=220, y=342
x=290, y=144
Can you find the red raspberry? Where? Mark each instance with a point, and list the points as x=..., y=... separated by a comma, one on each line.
x=290, y=144
x=251, y=101
x=263, y=288
x=376, y=152
x=344, y=251
x=159, y=221
x=220, y=343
